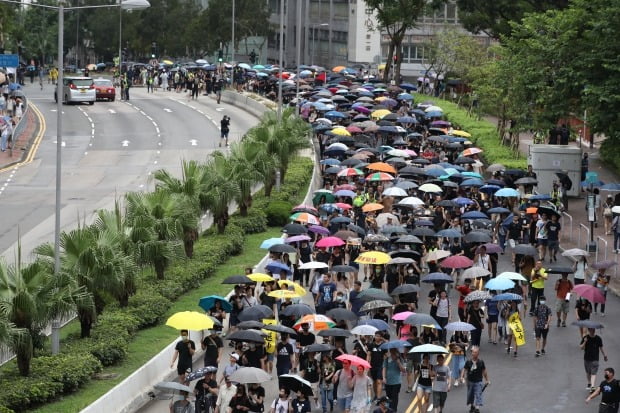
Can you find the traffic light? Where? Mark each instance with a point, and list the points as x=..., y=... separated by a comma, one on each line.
x=220, y=55
x=395, y=58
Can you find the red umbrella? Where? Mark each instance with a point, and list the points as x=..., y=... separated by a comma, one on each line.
x=342, y=205
x=329, y=242
x=354, y=360
x=457, y=261
x=590, y=293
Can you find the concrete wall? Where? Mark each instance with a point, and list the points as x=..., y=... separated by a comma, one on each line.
x=247, y=103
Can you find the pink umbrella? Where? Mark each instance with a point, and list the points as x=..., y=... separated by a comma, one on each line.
x=342, y=205
x=305, y=207
x=354, y=129
x=347, y=187
x=297, y=238
x=457, y=261
x=329, y=242
x=410, y=152
x=590, y=293
x=402, y=316
x=354, y=360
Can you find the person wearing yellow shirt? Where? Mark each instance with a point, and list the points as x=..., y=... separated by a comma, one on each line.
x=537, y=284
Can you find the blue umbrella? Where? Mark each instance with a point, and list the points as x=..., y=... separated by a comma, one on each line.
x=507, y=297
x=507, y=192
x=341, y=220
x=437, y=277
x=268, y=243
x=449, y=233
x=335, y=114
x=434, y=172
x=376, y=323
x=397, y=344
x=408, y=86
x=540, y=197
x=434, y=114
x=406, y=119
x=330, y=161
x=489, y=189
x=611, y=187
x=463, y=201
x=344, y=192
x=206, y=303
x=499, y=284
x=474, y=215
x=459, y=326
x=498, y=210
x=597, y=184
x=472, y=182
x=404, y=96
x=277, y=267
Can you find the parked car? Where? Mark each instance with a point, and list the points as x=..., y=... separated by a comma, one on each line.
x=77, y=89
x=105, y=89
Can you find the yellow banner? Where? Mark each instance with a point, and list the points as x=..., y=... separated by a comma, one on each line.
x=514, y=322
x=270, y=340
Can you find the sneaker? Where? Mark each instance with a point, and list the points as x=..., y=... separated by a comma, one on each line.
x=408, y=390
x=317, y=404
x=463, y=380
x=538, y=354
x=563, y=323
x=456, y=383
x=514, y=354
x=558, y=323
x=543, y=352
x=602, y=314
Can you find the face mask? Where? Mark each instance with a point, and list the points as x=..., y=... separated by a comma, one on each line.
x=542, y=302
x=340, y=298
x=410, y=271
x=185, y=338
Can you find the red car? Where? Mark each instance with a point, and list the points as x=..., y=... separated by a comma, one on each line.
x=105, y=89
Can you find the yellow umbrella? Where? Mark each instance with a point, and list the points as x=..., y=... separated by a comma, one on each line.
x=190, y=320
x=167, y=62
x=283, y=294
x=373, y=257
x=381, y=98
x=341, y=132
x=260, y=277
x=461, y=133
x=381, y=66
x=298, y=288
x=379, y=114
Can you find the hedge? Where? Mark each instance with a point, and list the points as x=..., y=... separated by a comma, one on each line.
x=108, y=345
x=484, y=135
x=610, y=154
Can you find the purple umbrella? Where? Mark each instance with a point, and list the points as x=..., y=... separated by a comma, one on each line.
x=318, y=229
x=297, y=238
x=441, y=123
x=605, y=264
x=492, y=248
x=361, y=109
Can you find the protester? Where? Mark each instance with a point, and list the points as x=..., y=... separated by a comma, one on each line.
x=475, y=370
x=592, y=344
x=183, y=351
x=610, y=391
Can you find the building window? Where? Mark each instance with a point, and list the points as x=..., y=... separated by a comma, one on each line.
x=367, y=37
x=451, y=13
x=368, y=48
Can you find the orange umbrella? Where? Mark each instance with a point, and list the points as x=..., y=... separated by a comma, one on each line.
x=372, y=207
x=531, y=210
x=382, y=167
x=338, y=69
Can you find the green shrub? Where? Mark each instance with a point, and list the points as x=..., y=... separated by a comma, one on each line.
x=254, y=223
x=278, y=213
x=70, y=370
x=148, y=306
x=111, y=351
x=610, y=154
x=6, y=410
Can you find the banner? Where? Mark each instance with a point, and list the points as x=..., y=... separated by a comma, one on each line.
x=270, y=340
x=517, y=328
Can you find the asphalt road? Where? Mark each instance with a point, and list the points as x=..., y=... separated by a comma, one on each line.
x=109, y=148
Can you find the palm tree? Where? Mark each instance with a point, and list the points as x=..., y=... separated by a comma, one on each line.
x=262, y=138
x=190, y=187
x=220, y=189
x=156, y=228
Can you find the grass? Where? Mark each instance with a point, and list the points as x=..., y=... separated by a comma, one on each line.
x=149, y=342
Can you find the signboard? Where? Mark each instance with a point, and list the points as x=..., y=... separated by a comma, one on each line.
x=514, y=322
x=9, y=60
x=270, y=340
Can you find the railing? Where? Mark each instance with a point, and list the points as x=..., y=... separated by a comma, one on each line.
x=571, y=224
x=598, y=249
x=582, y=226
x=17, y=130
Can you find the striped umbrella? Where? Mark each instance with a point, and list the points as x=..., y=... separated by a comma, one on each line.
x=350, y=172
x=379, y=176
x=305, y=218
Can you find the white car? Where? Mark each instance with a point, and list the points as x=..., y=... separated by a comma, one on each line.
x=77, y=89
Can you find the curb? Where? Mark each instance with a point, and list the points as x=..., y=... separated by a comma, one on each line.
x=28, y=144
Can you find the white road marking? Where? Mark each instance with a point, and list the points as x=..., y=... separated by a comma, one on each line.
x=125, y=143
x=167, y=110
x=193, y=142
x=219, y=109
x=112, y=111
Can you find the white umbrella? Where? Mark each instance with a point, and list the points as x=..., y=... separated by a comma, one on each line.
x=575, y=252
x=433, y=109
x=515, y=276
x=382, y=219
x=313, y=265
x=394, y=191
x=616, y=209
x=430, y=188
x=476, y=272
x=364, y=330
x=437, y=255
x=246, y=375
x=411, y=201
x=429, y=348
x=338, y=145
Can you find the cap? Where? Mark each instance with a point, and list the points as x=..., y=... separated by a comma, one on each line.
x=235, y=356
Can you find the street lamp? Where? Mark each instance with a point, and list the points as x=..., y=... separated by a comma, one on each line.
x=127, y=5
x=314, y=27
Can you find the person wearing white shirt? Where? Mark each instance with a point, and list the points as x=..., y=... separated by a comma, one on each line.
x=224, y=396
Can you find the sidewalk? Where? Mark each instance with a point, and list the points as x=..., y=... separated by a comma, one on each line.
x=22, y=143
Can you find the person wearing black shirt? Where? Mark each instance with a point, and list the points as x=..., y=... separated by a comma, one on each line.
x=254, y=356
x=475, y=371
x=265, y=299
x=213, y=347
x=285, y=355
x=184, y=350
x=310, y=371
x=206, y=393
x=610, y=389
x=305, y=255
x=591, y=344
x=380, y=315
x=240, y=402
x=474, y=317
x=301, y=404
x=375, y=357
x=256, y=397
x=359, y=348
x=428, y=336
x=553, y=228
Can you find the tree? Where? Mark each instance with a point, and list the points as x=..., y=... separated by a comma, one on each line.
x=220, y=190
x=494, y=17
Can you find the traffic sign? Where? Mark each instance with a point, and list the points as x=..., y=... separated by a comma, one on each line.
x=9, y=60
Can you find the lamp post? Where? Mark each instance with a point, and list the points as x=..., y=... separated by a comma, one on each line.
x=314, y=26
x=281, y=60
x=232, y=53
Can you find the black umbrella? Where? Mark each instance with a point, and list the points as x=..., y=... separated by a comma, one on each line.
x=405, y=289
x=341, y=220
x=294, y=229
x=334, y=332
x=237, y=279
x=514, y=172
x=318, y=348
x=244, y=325
x=423, y=232
x=256, y=313
x=526, y=180
x=526, y=249
x=556, y=269
x=297, y=310
x=282, y=248
x=253, y=336
x=342, y=314
x=200, y=373
x=404, y=254
x=548, y=211
x=409, y=239
x=462, y=160
x=344, y=268
x=295, y=383
x=351, y=162
x=370, y=294
x=447, y=203
x=477, y=236
x=280, y=329
x=357, y=229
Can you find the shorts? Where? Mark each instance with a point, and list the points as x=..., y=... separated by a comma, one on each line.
x=562, y=306
x=344, y=403
x=410, y=365
x=541, y=242
x=425, y=389
x=591, y=367
x=182, y=369
x=553, y=245
x=541, y=332
x=270, y=356
x=492, y=319
x=224, y=134
x=315, y=389
x=376, y=374
x=439, y=398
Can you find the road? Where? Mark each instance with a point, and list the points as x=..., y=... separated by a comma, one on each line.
x=109, y=148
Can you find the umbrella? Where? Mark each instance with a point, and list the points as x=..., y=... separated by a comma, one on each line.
x=430, y=188
x=515, y=276
x=590, y=293
x=253, y=336
x=260, y=277
x=587, y=324
x=402, y=316
x=190, y=320
x=499, y=284
x=373, y=257
x=457, y=261
x=282, y=294
x=374, y=294
x=318, y=348
x=317, y=322
x=354, y=360
x=401, y=260
x=375, y=305
x=507, y=297
x=364, y=330
x=304, y=218
x=200, y=373
x=171, y=386
x=268, y=243
x=477, y=236
x=313, y=265
x=373, y=206
x=344, y=268
x=381, y=167
x=409, y=239
x=449, y=233
x=459, y=326
x=379, y=176
x=357, y=229
x=405, y=289
x=558, y=269
x=475, y=272
x=296, y=229
x=376, y=323
x=376, y=238
x=342, y=314
x=411, y=201
x=575, y=252
x=252, y=324
x=525, y=249
x=282, y=248
x=496, y=167
x=437, y=277
x=276, y=267
x=437, y=255
x=329, y=242
x=297, y=310
x=419, y=319
x=245, y=375
x=295, y=383
x=492, y=248
x=477, y=296
x=334, y=332
x=474, y=215
x=206, y=303
x=423, y=232
x=526, y=180
x=237, y=279
x=429, y=348
x=255, y=313
x=605, y=264
x=397, y=344
x=507, y=193
x=280, y=329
